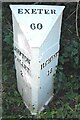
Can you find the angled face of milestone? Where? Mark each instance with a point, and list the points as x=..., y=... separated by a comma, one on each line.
x=36, y=21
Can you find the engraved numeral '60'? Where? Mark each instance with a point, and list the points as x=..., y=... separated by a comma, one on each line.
x=34, y=26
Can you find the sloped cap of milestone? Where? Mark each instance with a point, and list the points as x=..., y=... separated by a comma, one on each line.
x=36, y=21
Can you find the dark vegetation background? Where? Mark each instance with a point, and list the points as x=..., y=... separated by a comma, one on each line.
x=66, y=101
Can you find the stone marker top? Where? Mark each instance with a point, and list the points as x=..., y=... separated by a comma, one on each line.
x=36, y=21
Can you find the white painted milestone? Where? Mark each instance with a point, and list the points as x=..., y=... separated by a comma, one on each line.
x=36, y=30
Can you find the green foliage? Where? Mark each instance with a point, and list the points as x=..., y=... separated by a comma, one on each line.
x=71, y=53
x=48, y=114
x=8, y=38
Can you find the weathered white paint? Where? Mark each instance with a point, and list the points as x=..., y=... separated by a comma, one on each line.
x=36, y=52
